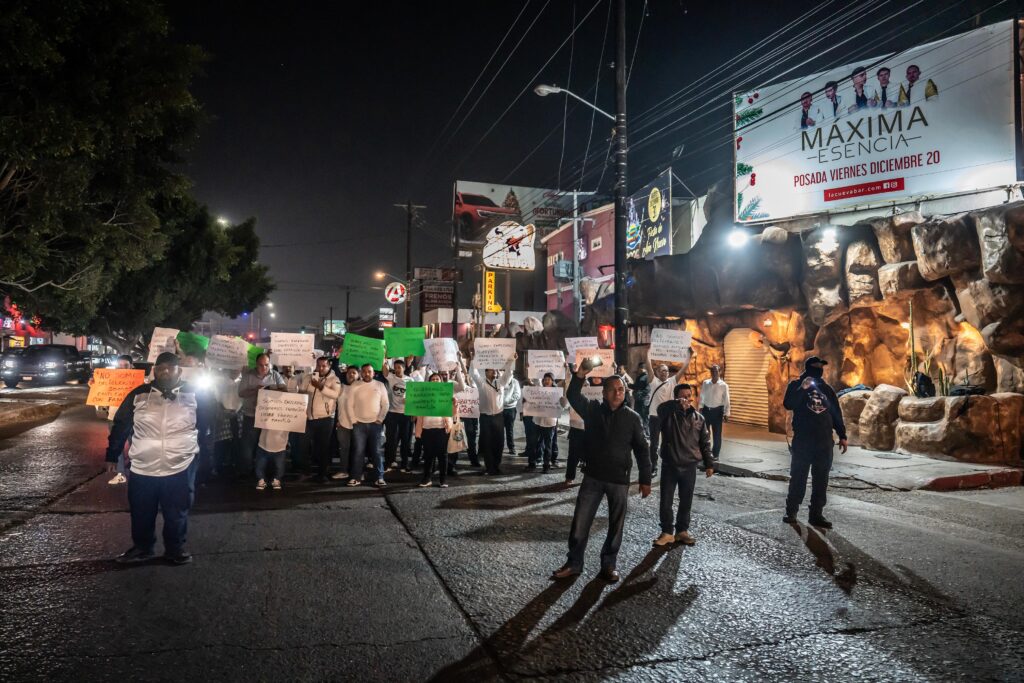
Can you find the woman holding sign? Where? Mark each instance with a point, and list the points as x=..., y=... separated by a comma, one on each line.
x=433, y=432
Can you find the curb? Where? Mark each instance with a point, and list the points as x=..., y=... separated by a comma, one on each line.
x=976, y=480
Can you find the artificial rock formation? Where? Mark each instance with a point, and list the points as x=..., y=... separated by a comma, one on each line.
x=894, y=238
x=877, y=422
x=983, y=429
x=945, y=245
x=852, y=403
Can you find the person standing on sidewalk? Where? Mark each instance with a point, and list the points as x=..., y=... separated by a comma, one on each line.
x=164, y=419
x=816, y=415
x=612, y=430
x=545, y=431
x=323, y=388
x=661, y=391
x=260, y=377
x=491, y=386
x=368, y=407
x=685, y=442
x=714, y=406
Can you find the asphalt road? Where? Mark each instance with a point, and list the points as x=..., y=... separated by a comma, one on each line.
x=328, y=583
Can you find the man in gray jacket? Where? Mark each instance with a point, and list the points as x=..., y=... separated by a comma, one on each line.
x=685, y=442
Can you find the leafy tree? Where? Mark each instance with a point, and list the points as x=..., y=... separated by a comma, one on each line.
x=94, y=111
x=206, y=267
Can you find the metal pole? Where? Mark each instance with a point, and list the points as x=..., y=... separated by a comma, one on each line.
x=576, y=303
x=408, y=260
x=331, y=308
x=455, y=285
x=508, y=300
x=348, y=302
x=621, y=305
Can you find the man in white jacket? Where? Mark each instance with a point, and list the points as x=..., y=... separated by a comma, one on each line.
x=368, y=406
x=344, y=413
x=323, y=388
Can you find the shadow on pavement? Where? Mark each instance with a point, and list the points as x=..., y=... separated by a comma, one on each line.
x=502, y=500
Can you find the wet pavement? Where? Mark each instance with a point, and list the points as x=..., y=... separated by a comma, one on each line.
x=329, y=583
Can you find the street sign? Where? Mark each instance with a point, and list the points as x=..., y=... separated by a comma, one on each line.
x=438, y=274
x=489, y=304
x=434, y=296
x=395, y=293
x=385, y=318
x=465, y=253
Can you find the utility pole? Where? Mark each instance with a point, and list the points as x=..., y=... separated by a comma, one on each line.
x=408, y=206
x=621, y=304
x=348, y=305
x=331, y=309
x=455, y=284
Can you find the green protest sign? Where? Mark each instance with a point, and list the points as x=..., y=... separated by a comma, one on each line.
x=359, y=350
x=192, y=344
x=404, y=341
x=252, y=351
x=429, y=399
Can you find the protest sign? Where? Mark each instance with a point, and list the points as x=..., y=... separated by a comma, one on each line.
x=574, y=344
x=109, y=386
x=469, y=403
x=493, y=354
x=591, y=394
x=404, y=341
x=670, y=345
x=226, y=352
x=441, y=353
x=252, y=352
x=162, y=340
x=542, y=401
x=540, y=362
x=292, y=348
x=607, y=357
x=192, y=344
x=429, y=399
x=359, y=350
x=281, y=411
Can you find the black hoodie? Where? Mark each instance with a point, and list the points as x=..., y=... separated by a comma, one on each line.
x=815, y=411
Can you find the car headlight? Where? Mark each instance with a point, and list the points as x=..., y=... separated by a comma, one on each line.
x=9, y=363
x=51, y=364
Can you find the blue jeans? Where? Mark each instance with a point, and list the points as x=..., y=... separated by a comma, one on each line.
x=592, y=491
x=366, y=444
x=545, y=437
x=263, y=457
x=172, y=496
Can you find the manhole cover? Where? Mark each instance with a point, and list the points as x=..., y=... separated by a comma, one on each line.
x=743, y=461
x=892, y=456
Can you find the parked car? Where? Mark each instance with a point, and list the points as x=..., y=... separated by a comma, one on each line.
x=45, y=363
x=474, y=212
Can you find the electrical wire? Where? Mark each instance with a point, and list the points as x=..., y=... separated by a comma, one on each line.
x=565, y=104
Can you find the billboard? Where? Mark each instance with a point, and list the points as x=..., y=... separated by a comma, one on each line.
x=334, y=327
x=649, y=227
x=434, y=296
x=480, y=207
x=931, y=120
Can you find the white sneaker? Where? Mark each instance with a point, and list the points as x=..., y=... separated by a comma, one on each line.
x=339, y=475
x=444, y=486
x=260, y=485
x=423, y=484
x=355, y=482
x=276, y=484
x=381, y=483
x=118, y=479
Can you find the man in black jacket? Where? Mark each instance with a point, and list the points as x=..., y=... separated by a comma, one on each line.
x=816, y=414
x=685, y=441
x=611, y=431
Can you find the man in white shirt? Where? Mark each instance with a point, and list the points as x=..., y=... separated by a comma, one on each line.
x=261, y=377
x=714, y=406
x=397, y=426
x=323, y=388
x=513, y=394
x=662, y=388
x=368, y=406
x=492, y=385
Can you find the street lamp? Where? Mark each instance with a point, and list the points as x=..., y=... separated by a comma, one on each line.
x=223, y=222
x=545, y=90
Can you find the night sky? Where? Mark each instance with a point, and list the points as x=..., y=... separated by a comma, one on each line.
x=324, y=115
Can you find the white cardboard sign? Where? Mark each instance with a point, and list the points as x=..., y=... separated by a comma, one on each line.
x=607, y=357
x=227, y=352
x=574, y=344
x=670, y=345
x=441, y=353
x=468, y=402
x=292, y=348
x=540, y=362
x=542, y=401
x=162, y=340
x=281, y=411
x=493, y=354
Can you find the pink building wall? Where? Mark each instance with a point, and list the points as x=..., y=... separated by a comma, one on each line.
x=597, y=229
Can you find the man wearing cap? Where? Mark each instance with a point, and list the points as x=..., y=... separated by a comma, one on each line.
x=816, y=415
x=164, y=419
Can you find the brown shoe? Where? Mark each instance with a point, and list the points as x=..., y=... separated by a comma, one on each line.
x=610, y=575
x=685, y=538
x=564, y=572
x=664, y=540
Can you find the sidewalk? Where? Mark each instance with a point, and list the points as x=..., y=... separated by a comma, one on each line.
x=754, y=452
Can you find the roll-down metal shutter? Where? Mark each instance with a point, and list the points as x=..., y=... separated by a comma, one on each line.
x=746, y=368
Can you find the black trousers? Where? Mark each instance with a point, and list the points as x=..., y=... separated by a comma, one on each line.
x=655, y=428
x=435, y=450
x=591, y=492
x=172, y=496
x=509, y=416
x=815, y=458
x=319, y=433
x=577, y=442
x=684, y=479
x=714, y=417
x=491, y=428
x=471, y=425
x=397, y=435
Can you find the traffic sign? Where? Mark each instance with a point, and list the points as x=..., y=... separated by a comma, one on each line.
x=395, y=293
